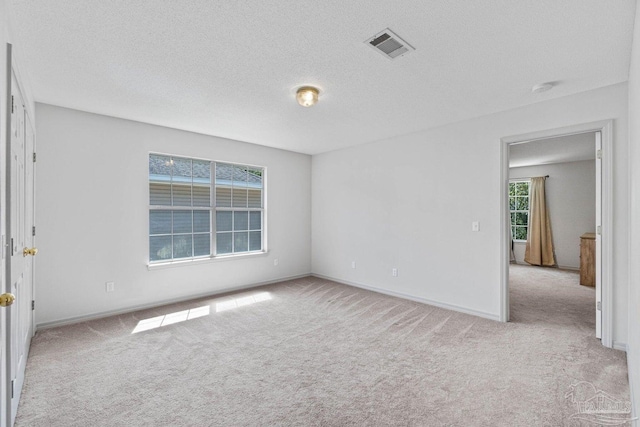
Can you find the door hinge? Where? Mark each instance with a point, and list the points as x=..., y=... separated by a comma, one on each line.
x=599, y=305
x=33, y=230
x=599, y=230
x=33, y=304
x=12, y=105
x=12, y=382
x=599, y=154
x=12, y=246
x=34, y=157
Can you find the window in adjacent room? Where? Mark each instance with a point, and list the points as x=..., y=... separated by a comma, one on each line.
x=201, y=209
x=519, y=208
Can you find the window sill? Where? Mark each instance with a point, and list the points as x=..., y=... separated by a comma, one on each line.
x=182, y=263
x=519, y=241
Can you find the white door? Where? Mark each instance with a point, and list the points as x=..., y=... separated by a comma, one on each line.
x=30, y=221
x=20, y=222
x=3, y=380
x=598, y=235
x=5, y=287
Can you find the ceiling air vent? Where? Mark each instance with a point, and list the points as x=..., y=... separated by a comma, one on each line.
x=389, y=44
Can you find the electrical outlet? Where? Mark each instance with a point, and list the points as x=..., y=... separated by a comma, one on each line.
x=110, y=286
x=394, y=272
x=353, y=264
x=276, y=262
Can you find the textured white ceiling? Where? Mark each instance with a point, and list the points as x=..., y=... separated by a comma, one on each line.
x=570, y=148
x=230, y=68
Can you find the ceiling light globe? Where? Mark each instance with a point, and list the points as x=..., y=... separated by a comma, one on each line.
x=542, y=87
x=307, y=96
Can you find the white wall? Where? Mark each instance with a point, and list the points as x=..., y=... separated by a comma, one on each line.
x=92, y=215
x=633, y=348
x=571, y=198
x=408, y=202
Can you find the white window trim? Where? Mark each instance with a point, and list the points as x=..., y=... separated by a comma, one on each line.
x=183, y=262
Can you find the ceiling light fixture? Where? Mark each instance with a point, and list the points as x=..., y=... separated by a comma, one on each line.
x=307, y=96
x=542, y=87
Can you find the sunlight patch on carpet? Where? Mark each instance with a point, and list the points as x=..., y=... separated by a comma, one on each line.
x=242, y=301
x=171, y=318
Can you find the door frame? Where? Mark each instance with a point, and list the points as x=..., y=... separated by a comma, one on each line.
x=605, y=127
x=5, y=367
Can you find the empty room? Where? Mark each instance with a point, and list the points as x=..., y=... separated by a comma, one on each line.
x=319, y=213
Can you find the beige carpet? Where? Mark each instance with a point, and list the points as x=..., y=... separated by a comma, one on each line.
x=311, y=352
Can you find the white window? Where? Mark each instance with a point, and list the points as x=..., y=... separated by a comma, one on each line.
x=519, y=208
x=200, y=209
x=239, y=208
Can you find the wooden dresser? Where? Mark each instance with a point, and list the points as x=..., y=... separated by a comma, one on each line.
x=588, y=259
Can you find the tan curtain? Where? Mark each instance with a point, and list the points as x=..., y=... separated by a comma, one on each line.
x=539, y=250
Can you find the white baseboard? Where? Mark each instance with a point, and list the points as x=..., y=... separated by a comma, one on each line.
x=103, y=314
x=620, y=346
x=413, y=298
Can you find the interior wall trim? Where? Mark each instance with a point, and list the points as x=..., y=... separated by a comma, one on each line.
x=620, y=346
x=606, y=129
x=435, y=303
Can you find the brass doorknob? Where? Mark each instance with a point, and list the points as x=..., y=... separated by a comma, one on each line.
x=6, y=300
x=29, y=251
